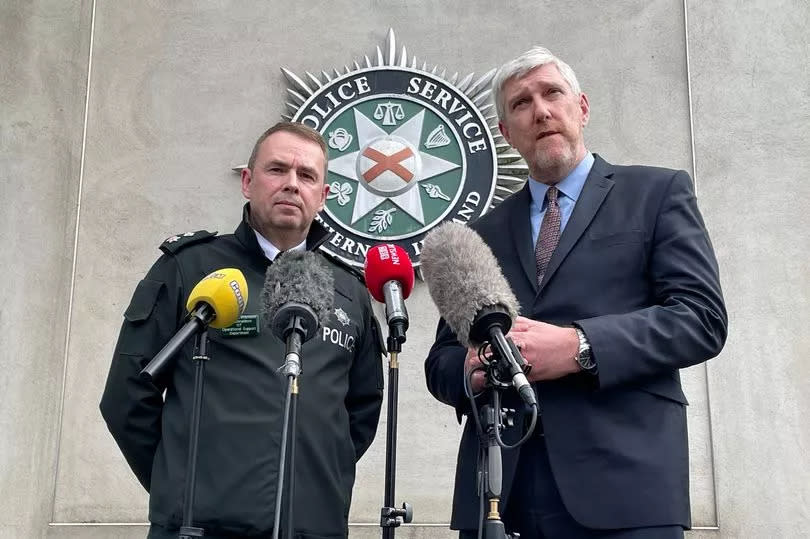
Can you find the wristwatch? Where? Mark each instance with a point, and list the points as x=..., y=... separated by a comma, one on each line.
x=584, y=357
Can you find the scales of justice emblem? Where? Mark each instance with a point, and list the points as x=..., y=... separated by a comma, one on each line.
x=409, y=148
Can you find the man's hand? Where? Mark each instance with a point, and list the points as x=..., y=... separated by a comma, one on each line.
x=479, y=377
x=550, y=350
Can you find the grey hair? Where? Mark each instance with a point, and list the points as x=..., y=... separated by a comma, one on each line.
x=535, y=57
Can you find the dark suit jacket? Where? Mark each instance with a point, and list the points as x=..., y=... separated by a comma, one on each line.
x=635, y=270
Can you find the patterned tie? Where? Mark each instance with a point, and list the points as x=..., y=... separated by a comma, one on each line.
x=549, y=235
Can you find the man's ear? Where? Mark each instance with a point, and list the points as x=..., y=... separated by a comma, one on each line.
x=505, y=132
x=585, y=108
x=246, y=177
x=326, y=188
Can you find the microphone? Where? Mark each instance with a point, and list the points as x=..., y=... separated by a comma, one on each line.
x=297, y=298
x=389, y=279
x=216, y=301
x=472, y=295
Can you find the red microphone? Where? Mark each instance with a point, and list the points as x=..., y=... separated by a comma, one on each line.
x=389, y=278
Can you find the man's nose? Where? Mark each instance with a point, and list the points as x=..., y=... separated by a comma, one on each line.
x=541, y=110
x=291, y=181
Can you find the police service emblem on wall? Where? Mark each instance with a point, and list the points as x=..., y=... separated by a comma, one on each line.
x=408, y=149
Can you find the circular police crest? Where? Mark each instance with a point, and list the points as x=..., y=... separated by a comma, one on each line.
x=408, y=149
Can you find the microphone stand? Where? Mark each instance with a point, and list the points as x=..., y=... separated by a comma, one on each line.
x=390, y=516
x=287, y=436
x=494, y=419
x=198, y=320
x=292, y=369
x=490, y=465
x=188, y=530
x=291, y=479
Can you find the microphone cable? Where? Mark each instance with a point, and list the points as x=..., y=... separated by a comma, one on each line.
x=468, y=391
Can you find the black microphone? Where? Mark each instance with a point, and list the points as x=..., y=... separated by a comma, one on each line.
x=297, y=298
x=472, y=295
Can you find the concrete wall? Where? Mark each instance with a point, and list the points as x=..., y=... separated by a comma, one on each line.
x=42, y=99
x=751, y=96
x=176, y=97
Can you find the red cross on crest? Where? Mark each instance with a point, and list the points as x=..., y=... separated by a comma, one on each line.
x=388, y=162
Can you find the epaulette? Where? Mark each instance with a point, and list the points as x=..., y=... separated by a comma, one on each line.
x=174, y=244
x=345, y=265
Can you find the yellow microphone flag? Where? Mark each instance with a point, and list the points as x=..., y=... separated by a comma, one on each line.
x=225, y=290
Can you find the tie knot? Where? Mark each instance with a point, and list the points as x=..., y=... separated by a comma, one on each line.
x=551, y=193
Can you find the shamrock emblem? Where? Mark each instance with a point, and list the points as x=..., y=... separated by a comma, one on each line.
x=341, y=192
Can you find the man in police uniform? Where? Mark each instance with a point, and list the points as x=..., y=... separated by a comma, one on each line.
x=240, y=431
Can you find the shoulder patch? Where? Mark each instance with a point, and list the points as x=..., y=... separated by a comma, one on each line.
x=173, y=244
x=344, y=265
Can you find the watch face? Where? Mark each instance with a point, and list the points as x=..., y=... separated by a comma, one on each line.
x=585, y=360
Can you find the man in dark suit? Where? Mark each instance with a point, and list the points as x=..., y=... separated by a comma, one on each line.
x=618, y=288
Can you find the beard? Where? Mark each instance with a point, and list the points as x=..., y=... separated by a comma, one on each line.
x=553, y=164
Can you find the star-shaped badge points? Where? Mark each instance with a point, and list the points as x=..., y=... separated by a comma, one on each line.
x=409, y=201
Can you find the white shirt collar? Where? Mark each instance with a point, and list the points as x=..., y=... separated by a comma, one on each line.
x=271, y=251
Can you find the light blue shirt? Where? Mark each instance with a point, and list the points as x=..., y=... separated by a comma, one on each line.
x=570, y=187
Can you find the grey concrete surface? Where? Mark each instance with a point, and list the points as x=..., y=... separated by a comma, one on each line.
x=356, y=532
x=180, y=90
x=751, y=90
x=139, y=532
x=158, y=146
x=44, y=66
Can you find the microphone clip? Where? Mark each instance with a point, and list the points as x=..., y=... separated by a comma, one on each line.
x=300, y=326
x=396, y=315
x=499, y=371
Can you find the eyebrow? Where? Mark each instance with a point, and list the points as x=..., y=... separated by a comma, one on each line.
x=308, y=169
x=516, y=97
x=544, y=86
x=276, y=162
x=286, y=165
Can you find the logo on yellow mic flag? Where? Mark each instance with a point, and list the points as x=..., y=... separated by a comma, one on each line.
x=225, y=290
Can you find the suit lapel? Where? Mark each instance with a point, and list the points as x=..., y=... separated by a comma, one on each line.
x=521, y=233
x=590, y=199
